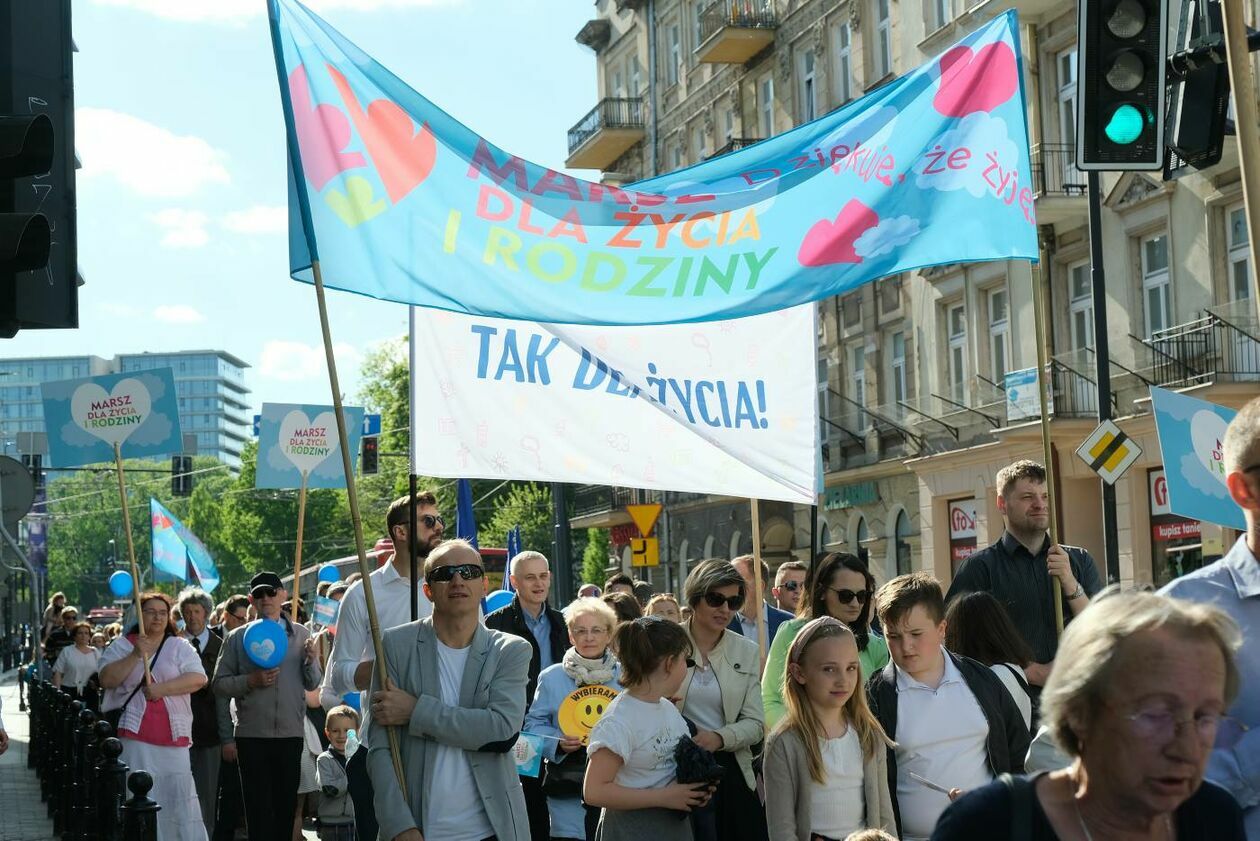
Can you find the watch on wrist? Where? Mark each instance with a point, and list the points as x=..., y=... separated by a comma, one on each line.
x=1080, y=591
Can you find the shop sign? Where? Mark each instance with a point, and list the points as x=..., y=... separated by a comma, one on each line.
x=1175, y=531
x=1159, y=493
x=848, y=496
x=962, y=519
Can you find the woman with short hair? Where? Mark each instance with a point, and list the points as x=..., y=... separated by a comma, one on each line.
x=77, y=662
x=1137, y=697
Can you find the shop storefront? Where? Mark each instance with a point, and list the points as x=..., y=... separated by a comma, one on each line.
x=1176, y=542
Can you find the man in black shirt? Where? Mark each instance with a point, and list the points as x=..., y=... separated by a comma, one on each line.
x=1019, y=569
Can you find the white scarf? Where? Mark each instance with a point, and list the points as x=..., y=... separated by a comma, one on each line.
x=586, y=672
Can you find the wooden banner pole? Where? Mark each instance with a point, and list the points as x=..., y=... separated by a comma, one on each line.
x=131, y=550
x=297, y=555
x=1242, y=85
x=1043, y=393
x=356, y=522
x=758, y=589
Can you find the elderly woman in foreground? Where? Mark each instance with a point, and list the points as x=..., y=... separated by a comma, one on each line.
x=1137, y=698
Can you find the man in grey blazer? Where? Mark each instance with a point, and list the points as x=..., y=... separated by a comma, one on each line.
x=456, y=690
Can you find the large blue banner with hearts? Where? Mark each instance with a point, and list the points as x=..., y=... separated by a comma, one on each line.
x=397, y=200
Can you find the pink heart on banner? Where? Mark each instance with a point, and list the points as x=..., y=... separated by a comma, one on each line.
x=976, y=81
x=323, y=132
x=829, y=242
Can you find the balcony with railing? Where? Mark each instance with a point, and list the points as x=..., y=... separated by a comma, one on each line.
x=606, y=133
x=1059, y=188
x=733, y=31
x=734, y=144
x=1211, y=349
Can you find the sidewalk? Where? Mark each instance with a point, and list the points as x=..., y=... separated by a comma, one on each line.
x=25, y=815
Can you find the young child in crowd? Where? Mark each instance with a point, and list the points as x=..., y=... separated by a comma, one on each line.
x=631, y=772
x=826, y=767
x=336, y=811
x=664, y=605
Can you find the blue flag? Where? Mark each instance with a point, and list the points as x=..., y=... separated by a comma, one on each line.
x=176, y=549
x=397, y=200
x=513, y=549
x=465, y=523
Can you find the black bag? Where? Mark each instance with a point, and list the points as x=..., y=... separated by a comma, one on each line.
x=114, y=717
x=695, y=764
x=564, y=779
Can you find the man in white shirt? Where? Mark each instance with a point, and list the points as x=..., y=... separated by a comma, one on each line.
x=350, y=664
x=955, y=725
x=745, y=622
x=456, y=690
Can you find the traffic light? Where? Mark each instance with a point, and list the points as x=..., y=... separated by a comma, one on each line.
x=181, y=475
x=369, y=452
x=34, y=464
x=1123, y=50
x=1198, y=101
x=39, y=275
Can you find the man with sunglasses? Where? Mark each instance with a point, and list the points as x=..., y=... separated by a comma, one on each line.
x=456, y=690
x=1233, y=585
x=270, y=713
x=745, y=622
x=350, y=663
x=789, y=583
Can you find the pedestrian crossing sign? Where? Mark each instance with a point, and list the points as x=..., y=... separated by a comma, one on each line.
x=1109, y=452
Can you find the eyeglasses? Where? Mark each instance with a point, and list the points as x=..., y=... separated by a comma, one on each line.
x=791, y=586
x=263, y=592
x=431, y=520
x=1162, y=726
x=847, y=596
x=589, y=632
x=444, y=575
x=716, y=600
x=239, y=617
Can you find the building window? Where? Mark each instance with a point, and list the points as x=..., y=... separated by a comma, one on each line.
x=697, y=12
x=883, y=38
x=842, y=41
x=636, y=76
x=943, y=12
x=1239, y=253
x=999, y=334
x=861, y=535
x=897, y=367
x=728, y=123
x=1156, y=283
x=956, y=322
x=673, y=59
x=858, y=381
x=888, y=294
x=698, y=139
x=1081, y=306
x=824, y=401
x=766, y=106
x=851, y=307
x=618, y=86
x=808, y=87
x=901, y=532
x=1065, y=63
x=678, y=156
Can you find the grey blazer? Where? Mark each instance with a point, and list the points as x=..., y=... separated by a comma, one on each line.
x=788, y=789
x=485, y=725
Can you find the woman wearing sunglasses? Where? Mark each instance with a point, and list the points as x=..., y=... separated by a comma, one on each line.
x=721, y=698
x=839, y=586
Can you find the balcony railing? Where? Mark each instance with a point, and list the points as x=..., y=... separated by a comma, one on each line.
x=1208, y=349
x=598, y=499
x=1054, y=171
x=610, y=113
x=733, y=145
x=741, y=14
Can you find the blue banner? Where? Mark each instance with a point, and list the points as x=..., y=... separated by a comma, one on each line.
x=513, y=549
x=465, y=522
x=397, y=200
x=176, y=549
x=1191, y=432
x=86, y=418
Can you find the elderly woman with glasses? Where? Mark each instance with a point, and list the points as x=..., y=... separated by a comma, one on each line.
x=155, y=713
x=1137, y=698
x=839, y=586
x=721, y=699
x=588, y=662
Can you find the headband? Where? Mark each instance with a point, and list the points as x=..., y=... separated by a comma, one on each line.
x=812, y=627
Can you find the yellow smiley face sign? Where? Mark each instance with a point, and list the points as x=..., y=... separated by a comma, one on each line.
x=584, y=706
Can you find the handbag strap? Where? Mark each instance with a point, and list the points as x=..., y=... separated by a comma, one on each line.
x=1021, y=806
x=139, y=685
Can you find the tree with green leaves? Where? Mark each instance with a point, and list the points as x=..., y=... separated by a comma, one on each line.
x=595, y=557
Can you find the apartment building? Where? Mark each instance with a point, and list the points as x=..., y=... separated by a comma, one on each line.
x=916, y=372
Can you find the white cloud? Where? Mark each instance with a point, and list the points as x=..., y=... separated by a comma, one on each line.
x=259, y=219
x=182, y=228
x=888, y=235
x=296, y=361
x=178, y=314
x=239, y=11
x=146, y=159
x=985, y=140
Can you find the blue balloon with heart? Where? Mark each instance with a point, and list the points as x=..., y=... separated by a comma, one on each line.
x=120, y=584
x=328, y=572
x=498, y=599
x=266, y=643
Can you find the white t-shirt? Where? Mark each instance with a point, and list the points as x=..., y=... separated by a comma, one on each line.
x=1019, y=693
x=704, y=699
x=837, y=807
x=455, y=809
x=644, y=735
x=76, y=666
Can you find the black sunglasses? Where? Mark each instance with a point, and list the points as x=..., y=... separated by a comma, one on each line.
x=263, y=592
x=431, y=520
x=717, y=600
x=791, y=586
x=444, y=575
x=847, y=596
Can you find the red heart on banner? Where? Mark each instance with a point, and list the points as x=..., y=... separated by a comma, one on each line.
x=831, y=241
x=976, y=81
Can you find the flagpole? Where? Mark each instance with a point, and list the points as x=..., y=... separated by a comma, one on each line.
x=352, y=496
x=758, y=595
x=411, y=463
x=1043, y=390
x=297, y=555
x=131, y=551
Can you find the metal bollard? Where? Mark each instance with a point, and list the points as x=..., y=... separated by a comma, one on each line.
x=111, y=782
x=83, y=734
x=91, y=799
x=140, y=813
x=69, y=724
x=57, y=710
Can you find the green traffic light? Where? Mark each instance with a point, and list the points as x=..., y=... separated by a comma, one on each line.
x=1125, y=125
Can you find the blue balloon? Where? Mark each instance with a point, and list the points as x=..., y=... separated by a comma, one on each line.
x=266, y=643
x=498, y=599
x=351, y=699
x=328, y=572
x=120, y=584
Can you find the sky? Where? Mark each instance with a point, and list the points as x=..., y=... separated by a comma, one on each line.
x=182, y=221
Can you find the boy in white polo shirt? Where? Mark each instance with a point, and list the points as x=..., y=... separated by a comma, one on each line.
x=955, y=725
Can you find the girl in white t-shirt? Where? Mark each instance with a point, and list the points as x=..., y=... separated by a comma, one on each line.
x=631, y=772
x=826, y=765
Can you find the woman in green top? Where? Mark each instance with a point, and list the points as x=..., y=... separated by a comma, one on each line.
x=838, y=585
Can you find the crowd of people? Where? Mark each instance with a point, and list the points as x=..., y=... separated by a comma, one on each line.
x=893, y=710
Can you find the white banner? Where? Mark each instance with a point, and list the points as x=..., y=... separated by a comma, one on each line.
x=716, y=407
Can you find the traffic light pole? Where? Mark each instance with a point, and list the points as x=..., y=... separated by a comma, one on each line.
x=1240, y=82
x=1102, y=362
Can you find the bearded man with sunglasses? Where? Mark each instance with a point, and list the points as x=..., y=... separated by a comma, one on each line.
x=350, y=663
x=456, y=690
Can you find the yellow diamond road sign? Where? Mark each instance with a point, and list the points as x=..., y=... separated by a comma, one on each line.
x=645, y=552
x=1109, y=451
x=644, y=517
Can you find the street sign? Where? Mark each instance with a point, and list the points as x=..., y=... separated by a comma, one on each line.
x=371, y=425
x=645, y=552
x=644, y=517
x=17, y=490
x=1109, y=451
